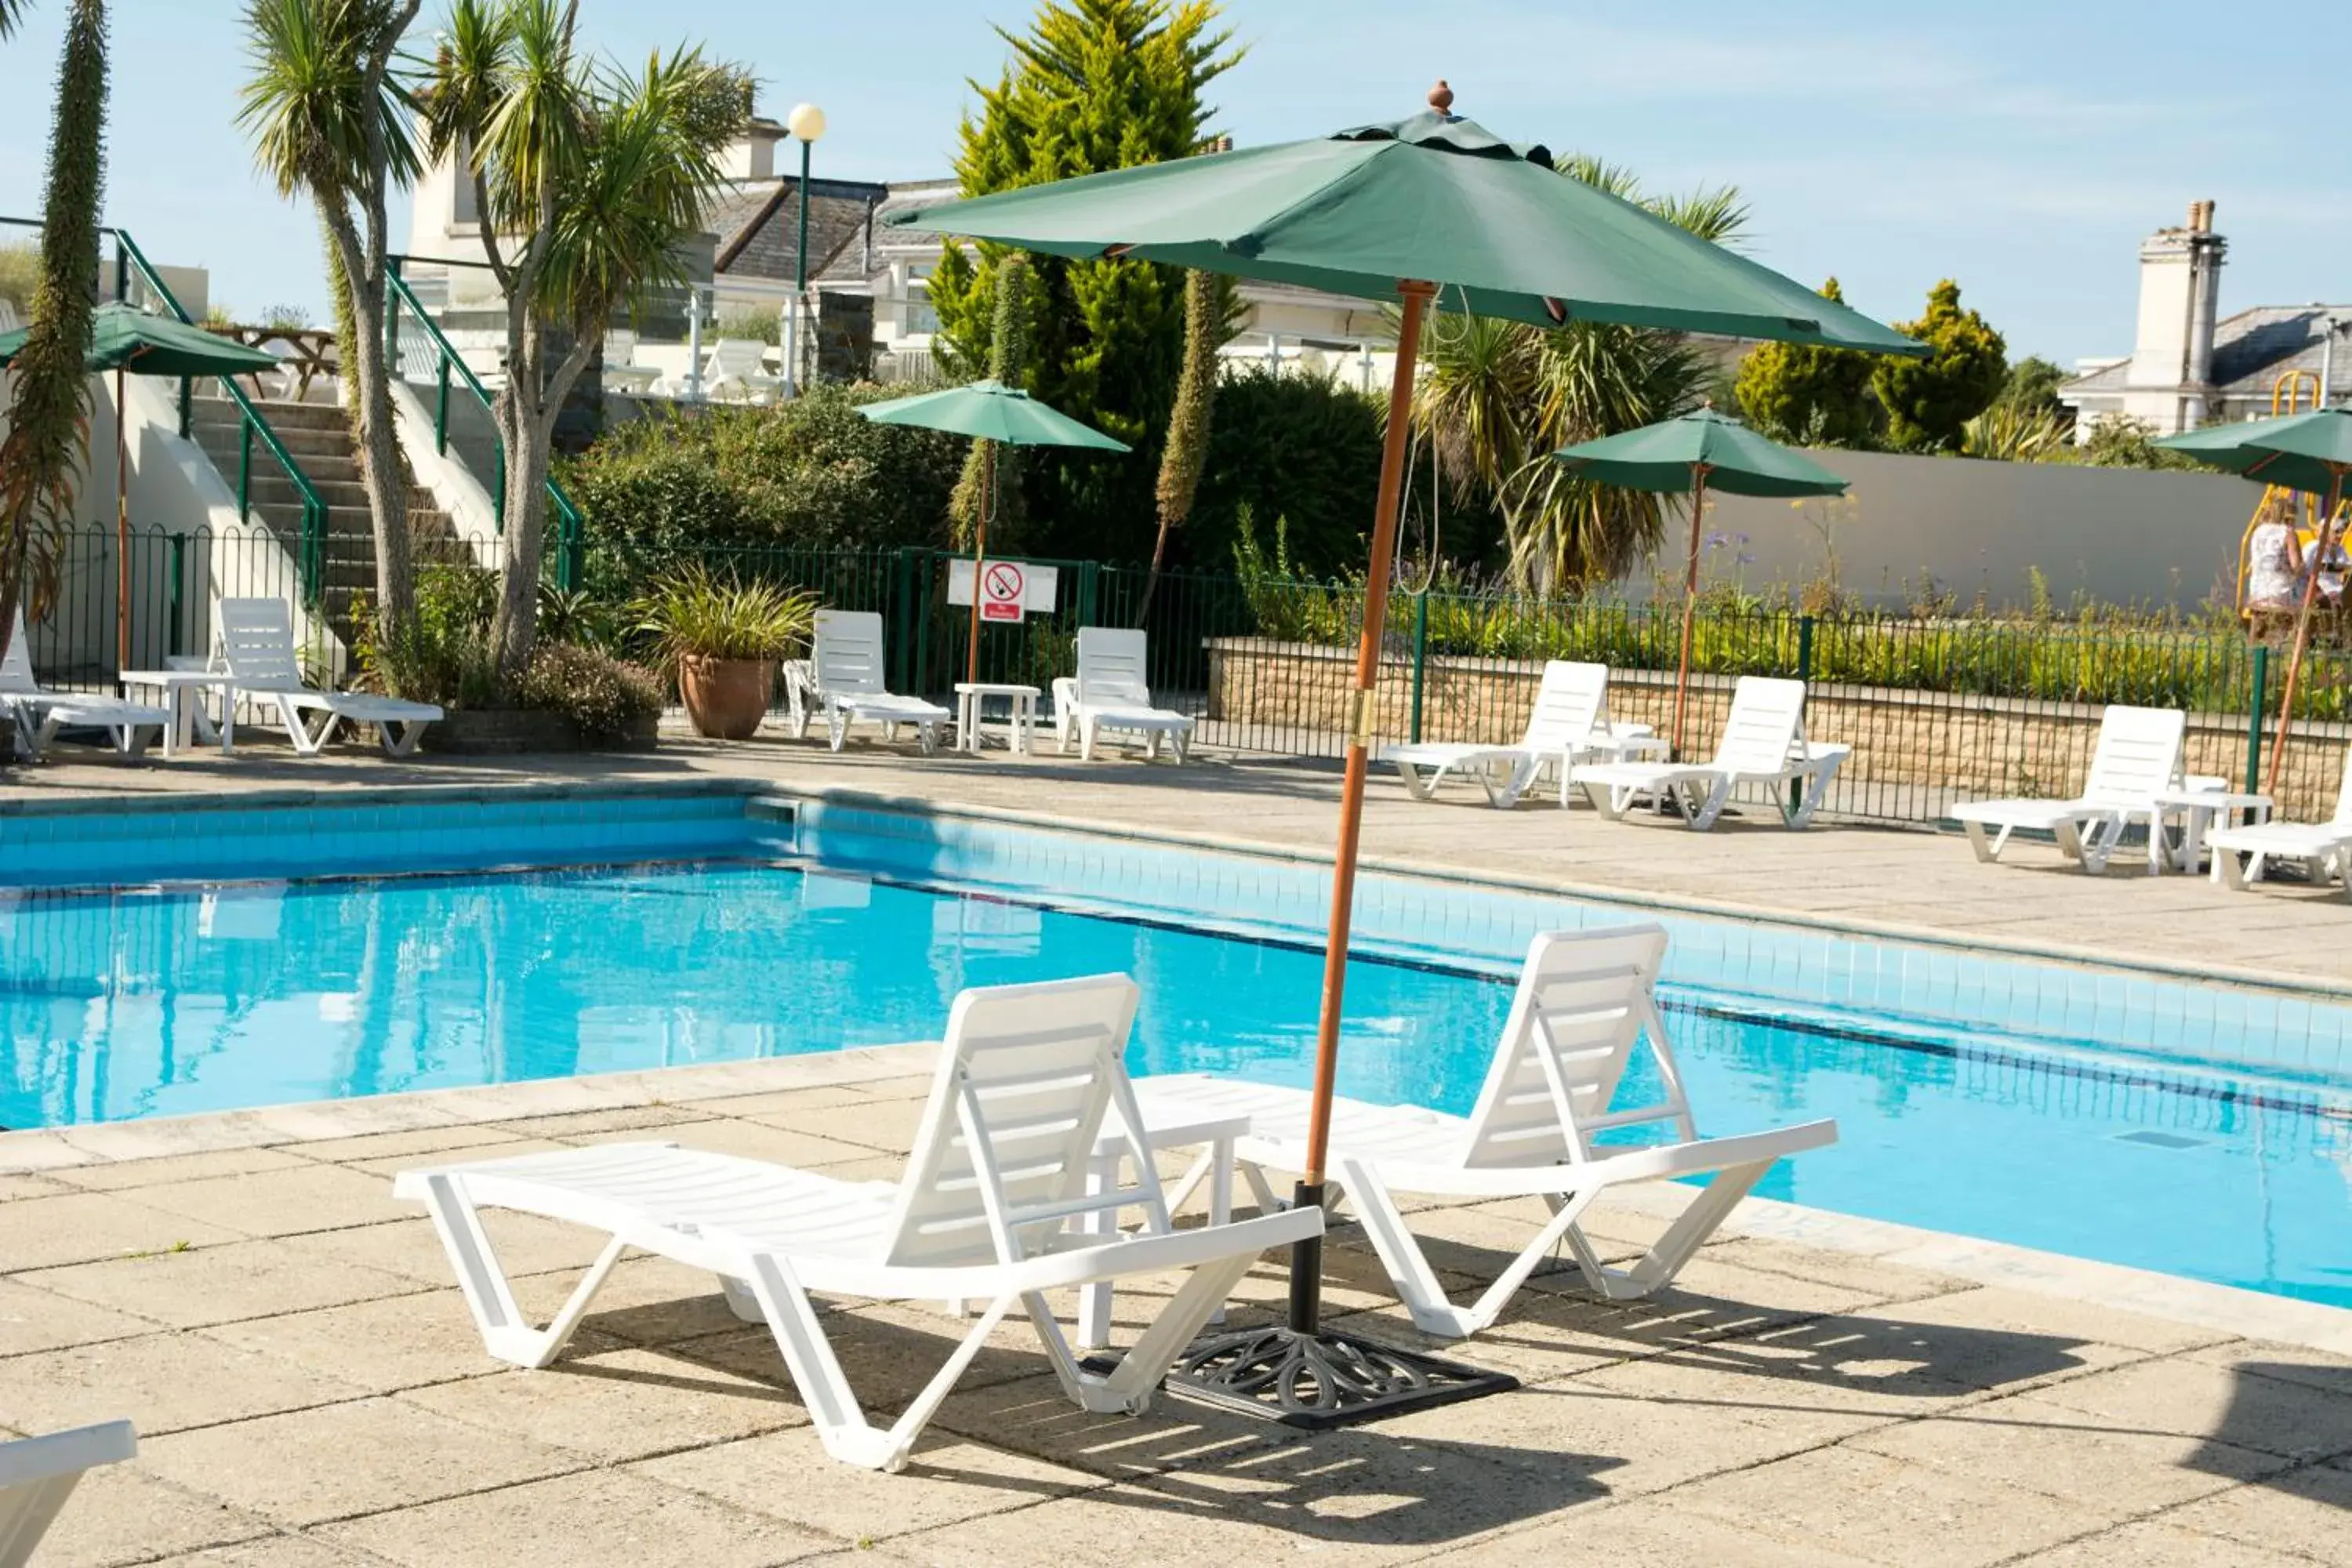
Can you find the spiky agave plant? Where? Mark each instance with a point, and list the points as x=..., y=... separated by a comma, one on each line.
x=49, y=421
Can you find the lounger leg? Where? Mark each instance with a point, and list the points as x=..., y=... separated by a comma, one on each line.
x=306, y=743
x=30, y=1520
x=1817, y=790
x=1086, y=740
x=926, y=735
x=837, y=726
x=506, y=1334
x=1181, y=742
x=1417, y=786
x=1986, y=849
x=1658, y=1267
x=1701, y=813
x=1128, y=1388
x=1417, y=1284
x=400, y=737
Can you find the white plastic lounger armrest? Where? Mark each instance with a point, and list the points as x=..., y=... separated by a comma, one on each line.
x=25, y=1461
x=1664, y=1161
x=1074, y=1265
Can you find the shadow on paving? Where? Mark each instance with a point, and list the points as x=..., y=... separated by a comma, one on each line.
x=2300, y=1410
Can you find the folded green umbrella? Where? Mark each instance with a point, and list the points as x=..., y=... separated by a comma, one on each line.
x=991, y=412
x=123, y=338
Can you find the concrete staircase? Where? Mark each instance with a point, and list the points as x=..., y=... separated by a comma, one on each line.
x=319, y=437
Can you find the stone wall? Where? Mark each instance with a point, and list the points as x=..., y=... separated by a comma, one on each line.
x=1915, y=753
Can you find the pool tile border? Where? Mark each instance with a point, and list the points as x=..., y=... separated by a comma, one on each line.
x=2244, y=1313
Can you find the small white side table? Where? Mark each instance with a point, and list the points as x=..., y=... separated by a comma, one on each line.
x=181, y=690
x=1216, y=1165
x=2200, y=810
x=971, y=694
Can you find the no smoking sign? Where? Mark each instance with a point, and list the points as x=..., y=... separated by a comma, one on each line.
x=1004, y=588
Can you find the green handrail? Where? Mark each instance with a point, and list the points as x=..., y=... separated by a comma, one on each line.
x=571, y=534
x=310, y=558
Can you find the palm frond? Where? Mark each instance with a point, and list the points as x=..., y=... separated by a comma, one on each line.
x=306, y=104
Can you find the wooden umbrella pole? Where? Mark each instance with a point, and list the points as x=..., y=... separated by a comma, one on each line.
x=1307, y=1262
x=121, y=528
x=978, y=562
x=1690, y=600
x=2303, y=629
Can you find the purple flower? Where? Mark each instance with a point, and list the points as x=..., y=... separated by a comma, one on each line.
x=1717, y=540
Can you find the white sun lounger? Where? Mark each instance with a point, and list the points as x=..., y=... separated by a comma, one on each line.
x=1000, y=1168
x=1569, y=724
x=1763, y=743
x=1583, y=1000
x=1113, y=691
x=842, y=678
x=255, y=649
x=38, y=1474
x=2324, y=848
x=2137, y=758
x=40, y=713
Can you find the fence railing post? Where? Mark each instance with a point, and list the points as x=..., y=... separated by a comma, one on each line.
x=1420, y=656
x=175, y=593
x=2255, y=717
x=441, y=411
x=1805, y=648
x=244, y=469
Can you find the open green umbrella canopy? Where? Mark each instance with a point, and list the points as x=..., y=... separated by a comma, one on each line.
x=123, y=338
x=1661, y=457
x=992, y=412
x=2307, y=451
x=1434, y=198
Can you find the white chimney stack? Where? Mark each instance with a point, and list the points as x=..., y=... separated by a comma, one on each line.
x=2179, y=299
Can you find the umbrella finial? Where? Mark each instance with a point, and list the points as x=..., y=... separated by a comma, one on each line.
x=1441, y=98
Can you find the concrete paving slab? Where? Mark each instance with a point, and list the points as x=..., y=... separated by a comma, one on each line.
x=617, y=1406
x=161, y=1382
x=83, y=1228
x=222, y=1284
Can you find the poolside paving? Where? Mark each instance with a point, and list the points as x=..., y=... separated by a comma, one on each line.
x=1896, y=881
x=310, y=1391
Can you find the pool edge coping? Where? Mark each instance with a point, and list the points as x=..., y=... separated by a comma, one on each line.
x=2333, y=991
x=2223, y=1309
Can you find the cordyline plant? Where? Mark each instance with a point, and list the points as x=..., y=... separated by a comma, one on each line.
x=589, y=182
x=48, y=420
x=330, y=119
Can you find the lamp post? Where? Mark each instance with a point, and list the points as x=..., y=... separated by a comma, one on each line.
x=806, y=122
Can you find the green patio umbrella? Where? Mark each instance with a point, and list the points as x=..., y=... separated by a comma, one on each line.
x=2311, y=451
x=124, y=340
x=1404, y=211
x=1698, y=449
x=989, y=411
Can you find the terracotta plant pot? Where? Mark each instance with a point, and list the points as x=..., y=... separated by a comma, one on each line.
x=726, y=697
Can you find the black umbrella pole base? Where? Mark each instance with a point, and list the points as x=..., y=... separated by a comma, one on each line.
x=1321, y=1378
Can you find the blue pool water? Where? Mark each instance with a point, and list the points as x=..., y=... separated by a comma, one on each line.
x=123, y=1004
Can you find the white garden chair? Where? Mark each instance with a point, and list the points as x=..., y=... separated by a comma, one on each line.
x=2136, y=760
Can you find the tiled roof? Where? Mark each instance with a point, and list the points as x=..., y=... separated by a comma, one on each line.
x=2251, y=350
x=758, y=226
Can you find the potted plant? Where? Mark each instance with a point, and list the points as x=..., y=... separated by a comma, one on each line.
x=724, y=638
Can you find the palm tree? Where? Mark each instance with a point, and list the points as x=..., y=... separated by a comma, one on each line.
x=12, y=16
x=1499, y=397
x=49, y=417
x=330, y=119
x=589, y=184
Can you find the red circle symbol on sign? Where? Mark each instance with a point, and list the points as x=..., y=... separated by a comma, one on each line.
x=1001, y=589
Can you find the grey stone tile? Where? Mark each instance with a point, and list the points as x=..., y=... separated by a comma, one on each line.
x=279, y=1203
x=2309, y=1510
x=611, y=1519
x=222, y=1284
x=2191, y=1399
x=34, y=1320
x=126, y=1513
x=115, y=1175
x=2156, y=1544
x=617, y=1406
x=342, y=1460
x=161, y=1382
x=82, y=1227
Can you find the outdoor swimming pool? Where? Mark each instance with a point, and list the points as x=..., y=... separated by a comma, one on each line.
x=2102, y=1140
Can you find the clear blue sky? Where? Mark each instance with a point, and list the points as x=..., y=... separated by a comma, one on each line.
x=2022, y=148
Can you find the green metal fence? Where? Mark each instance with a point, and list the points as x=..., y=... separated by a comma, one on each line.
x=1935, y=711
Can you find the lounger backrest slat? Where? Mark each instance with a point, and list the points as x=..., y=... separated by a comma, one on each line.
x=1584, y=1001
x=16, y=662
x=1569, y=705
x=847, y=653
x=2137, y=757
x=1112, y=669
x=257, y=645
x=1767, y=717
x=1026, y=1077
